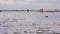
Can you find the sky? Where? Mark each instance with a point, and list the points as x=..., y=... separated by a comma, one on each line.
x=29, y=4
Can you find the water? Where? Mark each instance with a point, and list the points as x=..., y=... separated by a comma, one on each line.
x=30, y=22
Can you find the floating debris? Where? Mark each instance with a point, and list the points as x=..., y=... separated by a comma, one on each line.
x=5, y=33
x=5, y=26
x=46, y=16
x=3, y=22
x=59, y=24
x=25, y=31
x=4, y=15
x=31, y=32
x=17, y=33
x=57, y=33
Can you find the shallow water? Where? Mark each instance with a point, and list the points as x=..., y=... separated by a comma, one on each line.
x=22, y=21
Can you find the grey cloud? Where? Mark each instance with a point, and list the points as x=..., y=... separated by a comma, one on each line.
x=35, y=4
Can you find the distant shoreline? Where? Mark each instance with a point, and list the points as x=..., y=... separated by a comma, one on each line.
x=29, y=10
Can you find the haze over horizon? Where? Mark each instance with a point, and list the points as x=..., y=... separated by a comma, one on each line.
x=29, y=4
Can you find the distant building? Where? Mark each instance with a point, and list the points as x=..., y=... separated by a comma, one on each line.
x=41, y=10
x=27, y=10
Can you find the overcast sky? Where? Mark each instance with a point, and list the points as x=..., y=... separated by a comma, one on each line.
x=31, y=4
